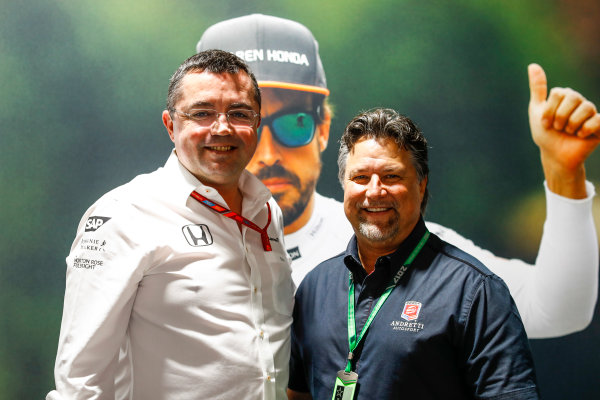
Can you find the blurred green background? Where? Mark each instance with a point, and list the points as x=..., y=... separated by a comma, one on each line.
x=83, y=84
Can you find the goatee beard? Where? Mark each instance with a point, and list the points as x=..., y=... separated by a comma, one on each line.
x=379, y=233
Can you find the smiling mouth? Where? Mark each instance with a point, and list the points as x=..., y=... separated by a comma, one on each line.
x=220, y=148
x=374, y=209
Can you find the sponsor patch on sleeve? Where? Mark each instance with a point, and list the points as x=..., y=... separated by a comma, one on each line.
x=94, y=223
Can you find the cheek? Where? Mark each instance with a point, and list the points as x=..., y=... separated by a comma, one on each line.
x=352, y=195
x=251, y=143
x=306, y=161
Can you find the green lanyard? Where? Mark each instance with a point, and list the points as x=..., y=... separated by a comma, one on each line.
x=353, y=340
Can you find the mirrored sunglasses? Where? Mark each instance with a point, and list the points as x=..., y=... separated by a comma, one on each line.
x=291, y=128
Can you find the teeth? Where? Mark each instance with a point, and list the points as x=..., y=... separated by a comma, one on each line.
x=221, y=148
x=376, y=209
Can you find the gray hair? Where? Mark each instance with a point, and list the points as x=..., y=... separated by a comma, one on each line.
x=381, y=123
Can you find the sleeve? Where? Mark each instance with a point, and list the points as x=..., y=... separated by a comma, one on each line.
x=104, y=268
x=556, y=296
x=494, y=349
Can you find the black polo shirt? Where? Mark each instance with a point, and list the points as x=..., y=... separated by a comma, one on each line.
x=449, y=330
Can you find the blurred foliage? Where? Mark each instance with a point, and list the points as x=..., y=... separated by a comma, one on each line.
x=83, y=84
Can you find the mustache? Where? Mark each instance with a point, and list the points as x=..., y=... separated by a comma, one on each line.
x=277, y=171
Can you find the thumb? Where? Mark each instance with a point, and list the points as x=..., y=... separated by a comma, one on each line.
x=538, y=84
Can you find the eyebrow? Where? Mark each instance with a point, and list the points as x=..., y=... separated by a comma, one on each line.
x=233, y=106
x=359, y=170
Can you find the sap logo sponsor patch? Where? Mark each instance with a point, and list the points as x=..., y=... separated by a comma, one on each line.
x=294, y=253
x=94, y=223
x=197, y=235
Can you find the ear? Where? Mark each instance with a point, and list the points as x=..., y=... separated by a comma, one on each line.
x=168, y=122
x=258, y=122
x=422, y=187
x=323, y=129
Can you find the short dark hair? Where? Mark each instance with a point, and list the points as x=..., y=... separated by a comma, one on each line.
x=380, y=123
x=214, y=61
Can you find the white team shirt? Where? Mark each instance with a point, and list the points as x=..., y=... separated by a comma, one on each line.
x=555, y=296
x=325, y=235
x=204, y=309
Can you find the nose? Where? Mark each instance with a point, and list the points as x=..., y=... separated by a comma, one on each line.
x=267, y=151
x=375, y=188
x=221, y=125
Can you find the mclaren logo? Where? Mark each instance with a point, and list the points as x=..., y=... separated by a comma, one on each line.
x=197, y=235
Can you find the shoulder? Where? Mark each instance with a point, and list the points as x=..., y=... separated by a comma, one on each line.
x=458, y=266
x=140, y=187
x=324, y=275
x=120, y=204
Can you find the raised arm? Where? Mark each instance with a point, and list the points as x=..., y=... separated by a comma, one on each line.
x=556, y=296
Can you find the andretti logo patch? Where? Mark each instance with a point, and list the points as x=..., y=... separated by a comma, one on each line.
x=197, y=235
x=94, y=223
x=411, y=310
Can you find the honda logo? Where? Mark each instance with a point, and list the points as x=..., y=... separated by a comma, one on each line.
x=197, y=235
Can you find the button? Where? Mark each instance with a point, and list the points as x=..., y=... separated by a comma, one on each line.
x=262, y=334
x=269, y=378
x=255, y=289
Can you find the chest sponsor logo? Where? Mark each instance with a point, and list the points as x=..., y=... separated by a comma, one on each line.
x=197, y=235
x=411, y=310
x=94, y=223
x=294, y=253
x=407, y=326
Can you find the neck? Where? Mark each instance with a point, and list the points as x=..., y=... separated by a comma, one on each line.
x=370, y=250
x=368, y=256
x=302, y=219
x=233, y=197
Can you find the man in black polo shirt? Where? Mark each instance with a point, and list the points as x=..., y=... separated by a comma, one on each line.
x=402, y=313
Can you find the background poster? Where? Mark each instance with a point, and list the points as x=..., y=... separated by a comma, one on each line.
x=83, y=84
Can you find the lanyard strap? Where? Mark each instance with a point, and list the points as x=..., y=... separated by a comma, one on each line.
x=238, y=218
x=353, y=340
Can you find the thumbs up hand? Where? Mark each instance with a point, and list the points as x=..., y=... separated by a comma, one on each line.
x=566, y=128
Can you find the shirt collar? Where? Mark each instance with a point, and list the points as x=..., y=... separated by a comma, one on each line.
x=182, y=183
x=391, y=261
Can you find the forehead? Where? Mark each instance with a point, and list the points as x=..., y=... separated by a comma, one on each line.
x=369, y=154
x=210, y=88
x=274, y=99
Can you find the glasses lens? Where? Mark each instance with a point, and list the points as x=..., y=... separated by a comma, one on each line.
x=241, y=117
x=294, y=130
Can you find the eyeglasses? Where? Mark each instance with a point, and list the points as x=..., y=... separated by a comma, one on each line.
x=206, y=117
x=291, y=128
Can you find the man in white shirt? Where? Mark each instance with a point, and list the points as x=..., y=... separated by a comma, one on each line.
x=296, y=117
x=183, y=269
